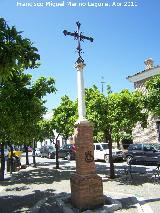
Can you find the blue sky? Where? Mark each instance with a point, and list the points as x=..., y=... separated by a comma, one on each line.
x=123, y=38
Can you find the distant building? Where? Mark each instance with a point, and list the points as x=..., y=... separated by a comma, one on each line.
x=151, y=134
x=46, y=142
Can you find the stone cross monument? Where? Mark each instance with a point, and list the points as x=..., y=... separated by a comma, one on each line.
x=86, y=185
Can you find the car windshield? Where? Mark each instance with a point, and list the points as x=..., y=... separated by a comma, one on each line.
x=51, y=148
x=105, y=146
x=156, y=146
x=66, y=146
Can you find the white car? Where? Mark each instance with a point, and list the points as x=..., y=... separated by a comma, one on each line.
x=101, y=152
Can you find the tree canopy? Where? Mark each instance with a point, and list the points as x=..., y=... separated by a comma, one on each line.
x=22, y=106
x=16, y=53
x=118, y=112
x=64, y=117
x=21, y=102
x=152, y=97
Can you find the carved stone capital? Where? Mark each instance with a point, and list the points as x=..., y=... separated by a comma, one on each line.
x=79, y=66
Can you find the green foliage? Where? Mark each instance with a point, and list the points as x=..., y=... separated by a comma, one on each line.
x=98, y=137
x=16, y=53
x=22, y=107
x=43, y=86
x=113, y=115
x=96, y=109
x=21, y=104
x=64, y=117
x=152, y=98
x=46, y=130
x=125, y=110
x=116, y=113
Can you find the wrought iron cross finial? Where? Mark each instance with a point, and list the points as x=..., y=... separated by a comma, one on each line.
x=79, y=37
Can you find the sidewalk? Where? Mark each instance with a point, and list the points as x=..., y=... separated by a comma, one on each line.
x=32, y=185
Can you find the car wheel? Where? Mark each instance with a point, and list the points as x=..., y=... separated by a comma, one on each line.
x=68, y=156
x=129, y=159
x=52, y=156
x=106, y=158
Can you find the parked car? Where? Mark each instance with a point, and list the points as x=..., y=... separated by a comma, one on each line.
x=156, y=146
x=16, y=153
x=29, y=149
x=101, y=152
x=48, y=151
x=37, y=152
x=143, y=154
x=67, y=151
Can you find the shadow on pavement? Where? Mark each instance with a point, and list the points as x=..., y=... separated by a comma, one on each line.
x=19, y=204
x=139, y=175
x=40, y=175
x=43, y=174
x=128, y=202
x=150, y=200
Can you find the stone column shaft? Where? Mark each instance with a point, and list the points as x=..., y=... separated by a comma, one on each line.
x=81, y=92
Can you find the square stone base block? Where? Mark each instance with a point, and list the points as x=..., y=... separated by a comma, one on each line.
x=86, y=191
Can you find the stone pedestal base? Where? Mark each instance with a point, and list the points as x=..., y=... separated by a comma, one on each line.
x=86, y=185
x=86, y=191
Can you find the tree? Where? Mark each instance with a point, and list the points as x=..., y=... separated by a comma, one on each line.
x=22, y=107
x=98, y=112
x=127, y=108
x=63, y=120
x=64, y=117
x=21, y=104
x=46, y=130
x=152, y=97
x=114, y=114
x=36, y=109
x=16, y=53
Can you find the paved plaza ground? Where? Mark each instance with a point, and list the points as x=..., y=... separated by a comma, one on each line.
x=28, y=186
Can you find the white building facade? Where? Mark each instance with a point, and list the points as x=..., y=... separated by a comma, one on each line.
x=47, y=142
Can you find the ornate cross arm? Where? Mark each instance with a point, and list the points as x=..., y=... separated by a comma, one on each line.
x=85, y=37
x=79, y=37
x=75, y=34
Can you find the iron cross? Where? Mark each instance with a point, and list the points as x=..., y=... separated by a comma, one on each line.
x=79, y=37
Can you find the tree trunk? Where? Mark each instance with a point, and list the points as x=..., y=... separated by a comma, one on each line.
x=34, y=156
x=26, y=150
x=109, y=139
x=11, y=159
x=2, y=162
x=118, y=144
x=57, y=159
x=112, y=173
